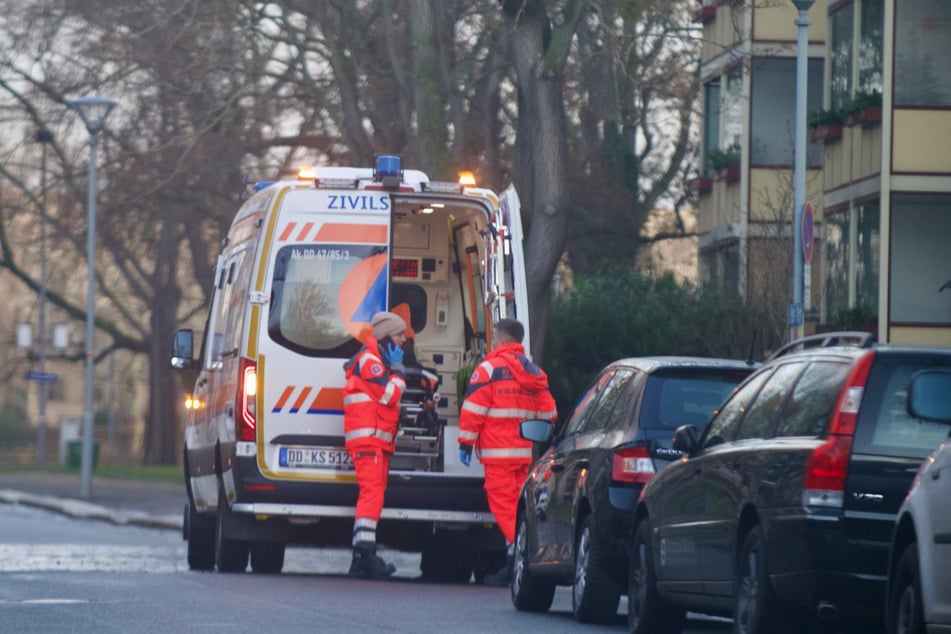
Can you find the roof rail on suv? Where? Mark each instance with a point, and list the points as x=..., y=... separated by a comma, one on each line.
x=857, y=339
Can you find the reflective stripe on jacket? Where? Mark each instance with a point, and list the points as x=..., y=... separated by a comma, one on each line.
x=371, y=399
x=504, y=390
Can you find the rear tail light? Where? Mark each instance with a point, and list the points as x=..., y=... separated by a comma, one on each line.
x=632, y=464
x=828, y=465
x=246, y=421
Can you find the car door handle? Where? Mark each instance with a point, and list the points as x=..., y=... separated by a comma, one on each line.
x=556, y=466
x=936, y=473
x=582, y=464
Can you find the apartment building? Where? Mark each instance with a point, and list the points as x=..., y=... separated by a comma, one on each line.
x=878, y=160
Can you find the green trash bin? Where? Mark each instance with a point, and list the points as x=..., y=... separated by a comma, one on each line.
x=74, y=454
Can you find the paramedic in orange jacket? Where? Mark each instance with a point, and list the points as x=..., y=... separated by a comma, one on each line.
x=371, y=413
x=505, y=389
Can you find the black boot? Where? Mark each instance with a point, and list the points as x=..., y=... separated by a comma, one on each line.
x=367, y=564
x=503, y=576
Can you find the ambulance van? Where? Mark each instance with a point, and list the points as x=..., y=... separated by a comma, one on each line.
x=304, y=266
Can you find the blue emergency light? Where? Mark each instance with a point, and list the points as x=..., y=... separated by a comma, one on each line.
x=258, y=186
x=388, y=171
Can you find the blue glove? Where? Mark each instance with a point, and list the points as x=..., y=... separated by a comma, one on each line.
x=393, y=354
x=465, y=454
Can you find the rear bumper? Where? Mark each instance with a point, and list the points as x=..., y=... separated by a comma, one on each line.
x=812, y=560
x=415, y=498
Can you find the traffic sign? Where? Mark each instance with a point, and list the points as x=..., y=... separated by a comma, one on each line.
x=41, y=377
x=808, y=232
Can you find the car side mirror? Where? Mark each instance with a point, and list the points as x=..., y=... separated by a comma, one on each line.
x=183, y=349
x=536, y=430
x=929, y=395
x=687, y=439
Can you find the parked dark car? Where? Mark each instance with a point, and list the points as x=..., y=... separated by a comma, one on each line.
x=781, y=512
x=575, y=512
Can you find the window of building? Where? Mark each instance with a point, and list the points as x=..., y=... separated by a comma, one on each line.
x=855, y=63
x=837, y=263
x=840, y=57
x=852, y=248
x=774, y=113
x=922, y=50
x=921, y=232
x=711, y=121
x=871, y=41
x=867, y=251
x=732, y=107
x=721, y=265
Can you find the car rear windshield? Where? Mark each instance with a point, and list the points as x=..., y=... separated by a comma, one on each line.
x=885, y=427
x=686, y=397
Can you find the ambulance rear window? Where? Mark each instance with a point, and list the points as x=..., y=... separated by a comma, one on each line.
x=323, y=296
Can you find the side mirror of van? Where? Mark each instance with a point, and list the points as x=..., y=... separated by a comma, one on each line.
x=536, y=430
x=183, y=349
x=929, y=395
x=687, y=439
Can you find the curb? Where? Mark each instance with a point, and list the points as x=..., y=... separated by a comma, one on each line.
x=79, y=509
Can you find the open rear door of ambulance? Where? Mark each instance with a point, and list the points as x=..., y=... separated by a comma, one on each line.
x=515, y=293
x=329, y=275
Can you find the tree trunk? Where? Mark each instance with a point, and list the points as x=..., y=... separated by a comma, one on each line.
x=541, y=161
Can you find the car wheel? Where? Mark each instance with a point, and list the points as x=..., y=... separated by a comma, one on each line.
x=200, y=536
x=756, y=609
x=267, y=557
x=905, y=611
x=529, y=593
x=647, y=612
x=595, y=594
x=231, y=555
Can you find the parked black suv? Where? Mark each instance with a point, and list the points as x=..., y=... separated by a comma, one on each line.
x=781, y=512
x=574, y=516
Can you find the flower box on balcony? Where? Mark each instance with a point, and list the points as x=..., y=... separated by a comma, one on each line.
x=826, y=133
x=705, y=13
x=729, y=174
x=704, y=185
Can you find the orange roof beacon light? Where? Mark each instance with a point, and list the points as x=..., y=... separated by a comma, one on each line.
x=306, y=173
x=467, y=179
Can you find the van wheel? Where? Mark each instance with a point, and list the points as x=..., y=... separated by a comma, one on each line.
x=647, y=612
x=757, y=609
x=446, y=559
x=529, y=593
x=267, y=557
x=231, y=555
x=200, y=534
x=905, y=612
x=594, y=595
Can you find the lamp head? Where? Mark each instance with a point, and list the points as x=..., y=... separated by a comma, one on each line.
x=803, y=5
x=93, y=110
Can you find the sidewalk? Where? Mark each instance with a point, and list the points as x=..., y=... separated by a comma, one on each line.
x=131, y=502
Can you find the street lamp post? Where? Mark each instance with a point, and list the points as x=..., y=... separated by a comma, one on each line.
x=43, y=137
x=93, y=110
x=796, y=310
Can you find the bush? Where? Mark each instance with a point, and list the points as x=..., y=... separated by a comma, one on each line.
x=623, y=313
x=15, y=430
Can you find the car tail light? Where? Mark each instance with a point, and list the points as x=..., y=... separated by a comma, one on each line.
x=632, y=464
x=828, y=465
x=246, y=421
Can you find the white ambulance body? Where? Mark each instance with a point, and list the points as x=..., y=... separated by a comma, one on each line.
x=305, y=265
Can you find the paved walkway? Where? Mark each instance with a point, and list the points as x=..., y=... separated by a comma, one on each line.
x=134, y=502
